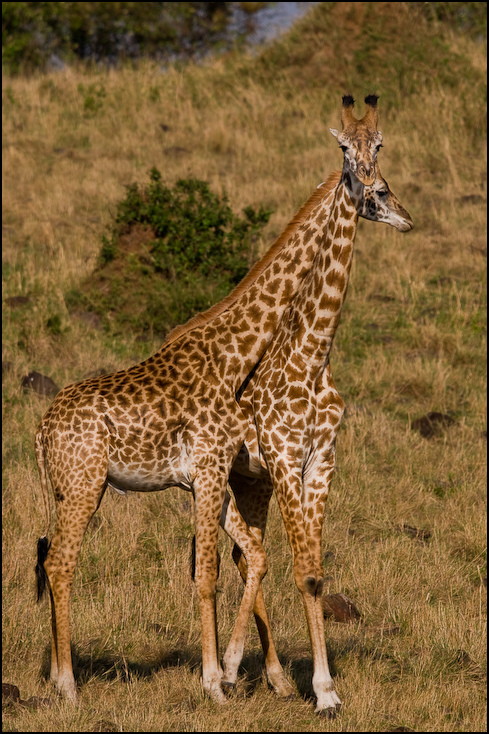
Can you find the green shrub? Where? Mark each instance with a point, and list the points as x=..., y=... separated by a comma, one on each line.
x=171, y=252
x=195, y=231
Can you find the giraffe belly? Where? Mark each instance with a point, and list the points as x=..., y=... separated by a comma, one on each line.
x=134, y=481
x=143, y=465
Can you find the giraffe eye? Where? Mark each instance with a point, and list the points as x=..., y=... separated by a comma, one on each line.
x=383, y=193
x=344, y=148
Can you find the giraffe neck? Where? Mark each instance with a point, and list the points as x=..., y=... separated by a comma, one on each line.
x=317, y=307
x=286, y=247
x=236, y=332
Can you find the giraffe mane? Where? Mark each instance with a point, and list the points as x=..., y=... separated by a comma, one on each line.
x=258, y=268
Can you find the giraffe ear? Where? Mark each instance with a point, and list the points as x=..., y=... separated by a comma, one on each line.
x=333, y=132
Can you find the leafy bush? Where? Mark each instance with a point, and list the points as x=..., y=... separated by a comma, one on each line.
x=171, y=252
x=194, y=230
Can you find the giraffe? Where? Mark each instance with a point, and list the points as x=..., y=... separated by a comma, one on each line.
x=174, y=420
x=297, y=410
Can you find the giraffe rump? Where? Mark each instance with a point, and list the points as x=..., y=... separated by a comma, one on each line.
x=41, y=575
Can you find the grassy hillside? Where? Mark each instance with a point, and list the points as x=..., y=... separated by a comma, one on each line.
x=404, y=533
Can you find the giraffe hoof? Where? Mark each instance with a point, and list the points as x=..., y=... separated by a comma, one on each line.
x=330, y=713
x=287, y=697
x=282, y=689
x=218, y=697
x=226, y=685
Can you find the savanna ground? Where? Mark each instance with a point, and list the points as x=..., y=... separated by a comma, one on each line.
x=412, y=339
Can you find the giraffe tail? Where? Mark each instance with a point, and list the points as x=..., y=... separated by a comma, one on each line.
x=42, y=543
x=41, y=575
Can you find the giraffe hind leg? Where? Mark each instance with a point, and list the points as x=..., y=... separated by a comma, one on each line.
x=275, y=673
x=256, y=567
x=59, y=565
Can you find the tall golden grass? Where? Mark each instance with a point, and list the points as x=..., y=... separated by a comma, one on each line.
x=411, y=340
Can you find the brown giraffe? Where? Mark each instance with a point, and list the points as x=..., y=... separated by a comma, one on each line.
x=174, y=420
x=297, y=410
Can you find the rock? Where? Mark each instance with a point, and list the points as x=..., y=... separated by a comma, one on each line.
x=432, y=424
x=340, y=608
x=40, y=383
x=10, y=693
x=14, y=301
x=34, y=702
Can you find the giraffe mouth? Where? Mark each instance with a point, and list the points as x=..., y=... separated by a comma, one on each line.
x=403, y=222
x=405, y=226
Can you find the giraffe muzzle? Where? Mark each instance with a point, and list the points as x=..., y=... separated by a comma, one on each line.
x=366, y=174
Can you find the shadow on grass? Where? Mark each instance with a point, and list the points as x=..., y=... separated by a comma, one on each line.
x=117, y=666
x=298, y=666
x=112, y=666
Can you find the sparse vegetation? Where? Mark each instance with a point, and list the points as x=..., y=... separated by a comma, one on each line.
x=405, y=525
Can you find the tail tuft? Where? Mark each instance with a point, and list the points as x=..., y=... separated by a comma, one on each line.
x=41, y=576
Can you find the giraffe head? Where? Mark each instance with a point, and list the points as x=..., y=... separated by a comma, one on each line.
x=380, y=204
x=360, y=140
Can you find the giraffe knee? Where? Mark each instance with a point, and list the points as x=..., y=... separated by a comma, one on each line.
x=310, y=584
x=206, y=584
x=313, y=585
x=205, y=576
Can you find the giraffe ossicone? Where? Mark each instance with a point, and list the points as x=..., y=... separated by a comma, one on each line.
x=127, y=430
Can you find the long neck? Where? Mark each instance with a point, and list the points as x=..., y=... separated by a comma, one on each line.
x=317, y=307
x=277, y=257
x=238, y=330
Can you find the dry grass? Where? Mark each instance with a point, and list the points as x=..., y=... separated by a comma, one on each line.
x=411, y=340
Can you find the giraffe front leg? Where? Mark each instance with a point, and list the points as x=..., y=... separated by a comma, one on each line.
x=315, y=495
x=317, y=481
x=309, y=579
x=316, y=487
x=327, y=700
